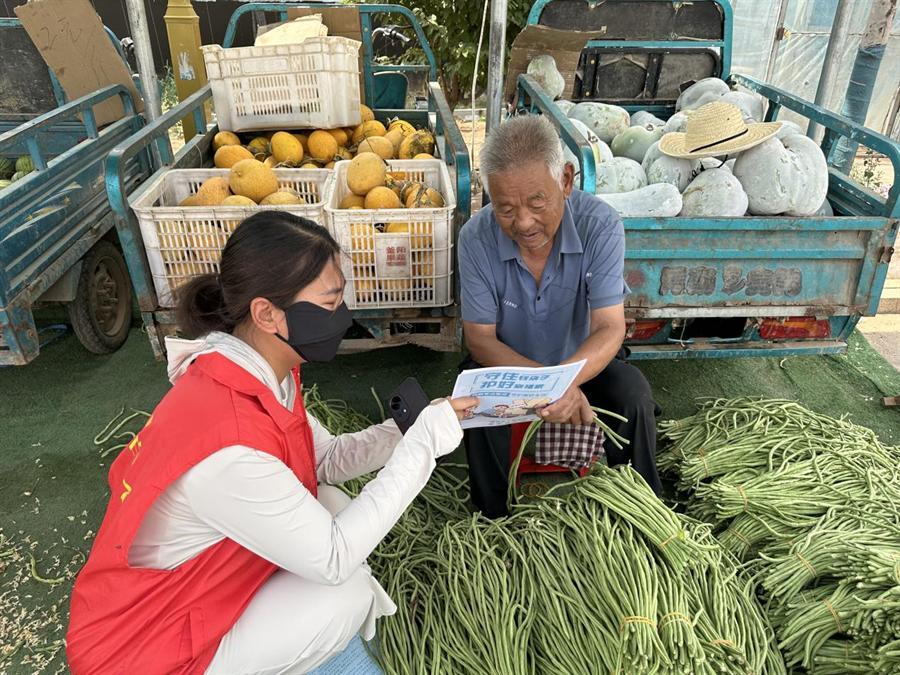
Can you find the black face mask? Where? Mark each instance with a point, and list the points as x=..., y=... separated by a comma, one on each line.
x=314, y=332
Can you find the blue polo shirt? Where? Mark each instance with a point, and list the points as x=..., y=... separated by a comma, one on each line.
x=545, y=322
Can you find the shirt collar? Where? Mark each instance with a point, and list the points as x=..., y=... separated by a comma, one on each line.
x=566, y=237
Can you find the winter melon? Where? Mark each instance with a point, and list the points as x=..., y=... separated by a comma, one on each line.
x=751, y=105
x=565, y=106
x=634, y=142
x=607, y=121
x=700, y=93
x=543, y=69
x=784, y=176
x=672, y=171
x=652, y=201
x=620, y=175
x=676, y=123
x=714, y=194
x=642, y=118
x=601, y=150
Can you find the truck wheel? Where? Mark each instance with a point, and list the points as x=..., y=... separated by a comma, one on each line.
x=101, y=311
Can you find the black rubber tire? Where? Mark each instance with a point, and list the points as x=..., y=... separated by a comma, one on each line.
x=101, y=311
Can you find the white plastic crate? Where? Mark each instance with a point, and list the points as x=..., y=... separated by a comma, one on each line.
x=409, y=267
x=311, y=84
x=183, y=243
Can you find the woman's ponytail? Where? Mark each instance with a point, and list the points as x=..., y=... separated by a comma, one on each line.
x=201, y=307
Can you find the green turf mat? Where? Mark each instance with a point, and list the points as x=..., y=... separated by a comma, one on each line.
x=53, y=480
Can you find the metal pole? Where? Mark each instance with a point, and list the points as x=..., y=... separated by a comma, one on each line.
x=496, y=64
x=776, y=41
x=140, y=33
x=871, y=51
x=839, y=31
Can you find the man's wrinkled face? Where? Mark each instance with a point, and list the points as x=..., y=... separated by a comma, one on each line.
x=529, y=203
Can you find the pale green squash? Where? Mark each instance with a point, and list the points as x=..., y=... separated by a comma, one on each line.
x=700, y=93
x=652, y=201
x=543, y=69
x=620, y=175
x=634, y=142
x=607, y=121
x=714, y=194
x=602, y=153
x=788, y=175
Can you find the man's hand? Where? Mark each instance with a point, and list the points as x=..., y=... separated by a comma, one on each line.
x=572, y=408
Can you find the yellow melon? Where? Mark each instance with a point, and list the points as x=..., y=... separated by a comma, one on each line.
x=364, y=283
x=366, y=171
x=286, y=149
x=340, y=136
x=423, y=267
x=366, y=114
x=283, y=197
x=421, y=234
x=238, y=200
x=322, y=146
x=394, y=184
x=405, y=127
x=395, y=136
x=380, y=145
x=259, y=145
x=224, y=138
x=310, y=165
x=303, y=138
x=229, y=155
x=421, y=197
x=351, y=201
x=251, y=178
x=270, y=162
x=212, y=192
x=382, y=198
x=407, y=190
x=367, y=129
x=420, y=142
x=362, y=244
x=396, y=284
x=344, y=153
x=423, y=155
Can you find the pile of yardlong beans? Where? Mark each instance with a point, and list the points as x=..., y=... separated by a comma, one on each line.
x=812, y=504
x=564, y=585
x=597, y=576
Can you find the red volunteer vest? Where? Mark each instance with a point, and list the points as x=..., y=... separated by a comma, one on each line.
x=138, y=620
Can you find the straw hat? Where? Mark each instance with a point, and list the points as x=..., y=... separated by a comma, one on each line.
x=714, y=130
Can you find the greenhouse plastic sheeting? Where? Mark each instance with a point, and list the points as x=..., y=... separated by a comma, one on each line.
x=801, y=54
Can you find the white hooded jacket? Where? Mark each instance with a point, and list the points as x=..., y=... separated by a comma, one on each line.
x=256, y=500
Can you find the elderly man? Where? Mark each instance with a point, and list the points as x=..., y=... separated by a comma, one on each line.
x=541, y=273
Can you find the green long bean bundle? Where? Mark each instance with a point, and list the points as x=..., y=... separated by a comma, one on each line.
x=813, y=504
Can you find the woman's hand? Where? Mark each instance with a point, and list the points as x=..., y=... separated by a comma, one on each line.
x=464, y=406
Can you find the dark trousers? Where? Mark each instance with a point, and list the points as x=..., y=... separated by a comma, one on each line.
x=620, y=388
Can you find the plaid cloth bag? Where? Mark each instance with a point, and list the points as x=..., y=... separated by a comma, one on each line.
x=574, y=446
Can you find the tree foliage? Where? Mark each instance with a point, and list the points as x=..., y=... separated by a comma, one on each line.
x=452, y=28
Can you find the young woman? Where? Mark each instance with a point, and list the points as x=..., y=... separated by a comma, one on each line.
x=224, y=548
